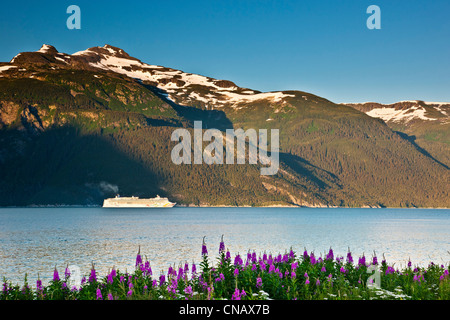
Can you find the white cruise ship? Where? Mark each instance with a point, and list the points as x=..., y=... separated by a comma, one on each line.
x=135, y=202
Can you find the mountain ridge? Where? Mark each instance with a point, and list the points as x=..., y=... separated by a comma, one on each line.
x=331, y=154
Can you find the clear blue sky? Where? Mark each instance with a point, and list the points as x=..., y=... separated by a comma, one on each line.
x=318, y=46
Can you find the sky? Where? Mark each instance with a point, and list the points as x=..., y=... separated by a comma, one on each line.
x=318, y=46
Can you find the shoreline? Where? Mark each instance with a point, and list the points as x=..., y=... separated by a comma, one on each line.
x=226, y=206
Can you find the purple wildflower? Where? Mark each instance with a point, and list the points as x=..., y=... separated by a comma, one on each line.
x=228, y=256
x=39, y=286
x=221, y=246
x=99, y=294
x=258, y=283
x=162, y=279
x=238, y=261
x=109, y=279
x=67, y=272
x=189, y=292
x=148, y=268
x=271, y=268
x=313, y=259
x=349, y=258
x=305, y=254
x=236, y=295
x=362, y=261
x=55, y=275
x=204, y=249
x=93, y=276
x=330, y=255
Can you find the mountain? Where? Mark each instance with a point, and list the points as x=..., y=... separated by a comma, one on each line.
x=425, y=124
x=75, y=128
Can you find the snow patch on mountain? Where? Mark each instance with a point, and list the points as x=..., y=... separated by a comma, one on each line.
x=400, y=115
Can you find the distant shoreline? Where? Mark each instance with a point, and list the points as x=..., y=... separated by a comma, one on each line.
x=224, y=206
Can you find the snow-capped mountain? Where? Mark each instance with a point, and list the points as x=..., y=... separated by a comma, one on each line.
x=180, y=87
x=406, y=112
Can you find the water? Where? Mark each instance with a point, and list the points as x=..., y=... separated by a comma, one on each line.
x=35, y=240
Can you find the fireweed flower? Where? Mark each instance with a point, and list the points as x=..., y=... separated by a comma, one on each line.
x=258, y=283
x=228, y=256
x=220, y=278
x=189, y=292
x=162, y=279
x=236, y=295
x=362, y=261
x=67, y=272
x=221, y=246
x=374, y=260
x=204, y=249
x=389, y=270
x=271, y=268
x=349, y=258
x=39, y=286
x=291, y=254
x=109, y=279
x=330, y=255
x=99, y=294
x=93, y=276
x=55, y=275
x=305, y=254
x=313, y=259
x=238, y=261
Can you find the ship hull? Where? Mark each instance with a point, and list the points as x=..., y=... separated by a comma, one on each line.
x=135, y=202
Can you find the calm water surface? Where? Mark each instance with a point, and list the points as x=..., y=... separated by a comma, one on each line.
x=34, y=240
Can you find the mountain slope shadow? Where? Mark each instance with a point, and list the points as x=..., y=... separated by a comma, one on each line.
x=320, y=178
x=62, y=166
x=412, y=140
x=214, y=119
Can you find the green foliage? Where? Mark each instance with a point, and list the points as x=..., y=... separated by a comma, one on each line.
x=280, y=277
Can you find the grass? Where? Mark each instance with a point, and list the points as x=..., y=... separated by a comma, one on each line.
x=250, y=277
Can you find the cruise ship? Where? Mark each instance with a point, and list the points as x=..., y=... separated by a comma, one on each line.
x=135, y=202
